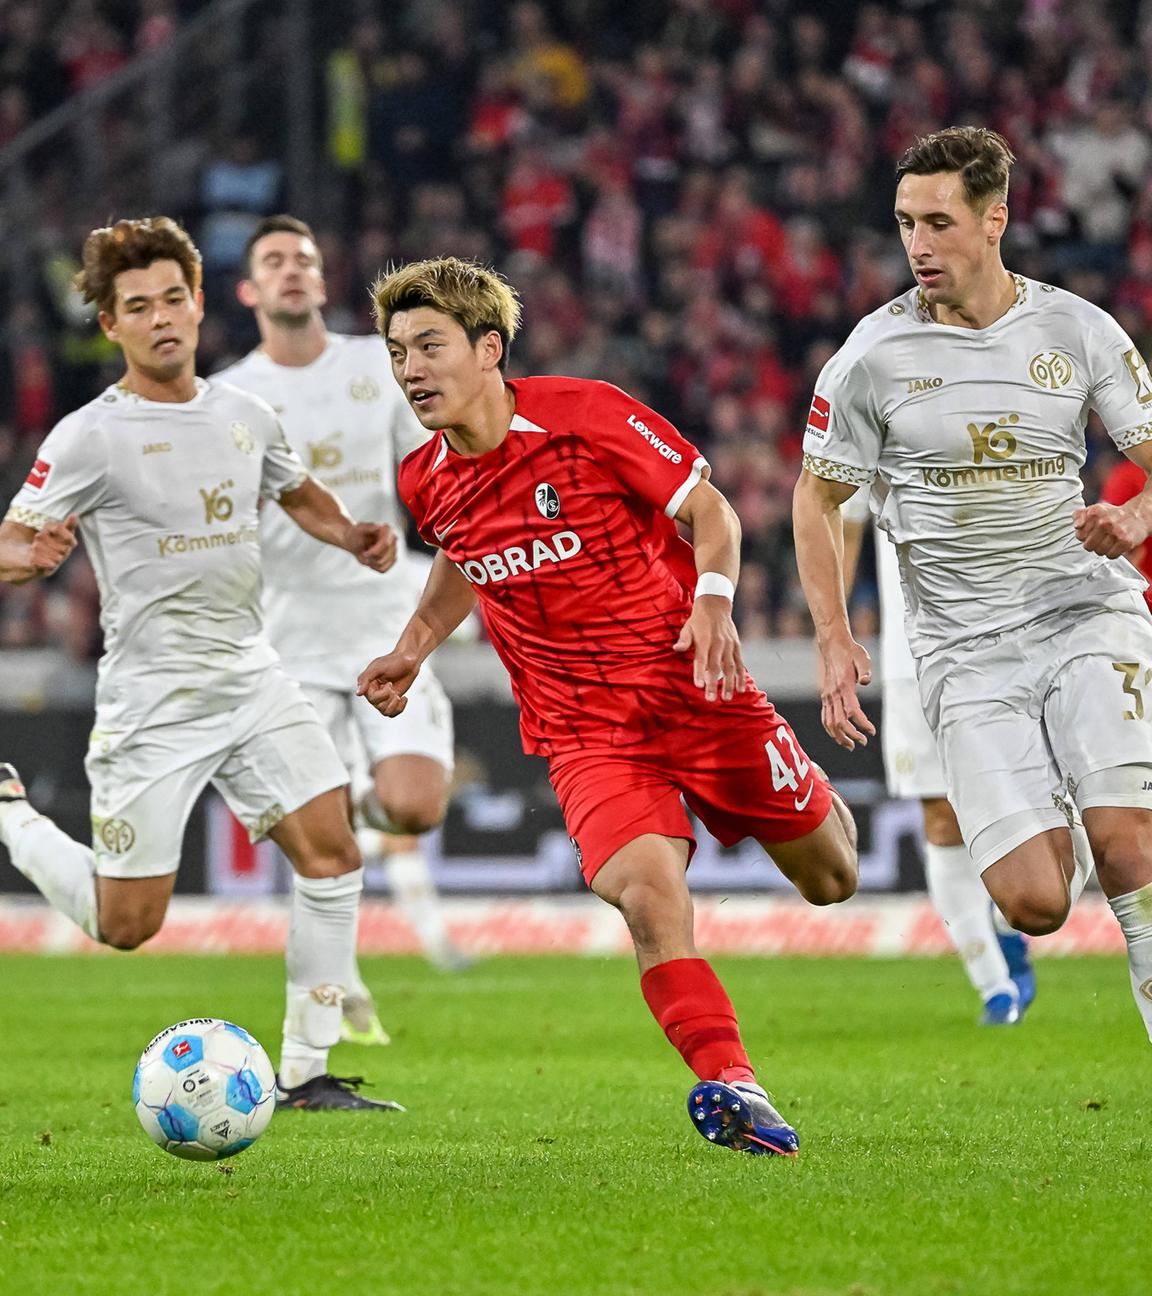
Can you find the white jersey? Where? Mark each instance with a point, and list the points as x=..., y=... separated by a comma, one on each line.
x=168, y=497
x=327, y=614
x=976, y=437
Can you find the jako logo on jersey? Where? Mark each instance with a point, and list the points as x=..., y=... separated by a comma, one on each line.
x=924, y=384
x=653, y=440
x=818, y=417
x=993, y=440
x=547, y=501
x=518, y=558
x=39, y=474
x=217, y=505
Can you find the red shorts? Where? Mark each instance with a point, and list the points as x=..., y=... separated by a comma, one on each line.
x=744, y=777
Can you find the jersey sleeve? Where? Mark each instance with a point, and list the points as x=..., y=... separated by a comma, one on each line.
x=857, y=507
x=1120, y=386
x=68, y=476
x=640, y=448
x=282, y=469
x=845, y=431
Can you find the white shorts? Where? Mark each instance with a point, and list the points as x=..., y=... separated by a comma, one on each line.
x=912, y=766
x=362, y=734
x=266, y=758
x=1021, y=718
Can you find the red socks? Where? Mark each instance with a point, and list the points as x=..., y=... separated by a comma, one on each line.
x=693, y=1008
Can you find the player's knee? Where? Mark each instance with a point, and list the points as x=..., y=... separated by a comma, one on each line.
x=331, y=859
x=412, y=816
x=129, y=931
x=1035, y=913
x=833, y=884
x=651, y=909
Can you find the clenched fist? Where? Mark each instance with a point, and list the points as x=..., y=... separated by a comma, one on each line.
x=52, y=544
x=373, y=544
x=1111, y=530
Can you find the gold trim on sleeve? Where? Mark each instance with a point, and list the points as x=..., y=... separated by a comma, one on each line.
x=1134, y=436
x=27, y=517
x=830, y=470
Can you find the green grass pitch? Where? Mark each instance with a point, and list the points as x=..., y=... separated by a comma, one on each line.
x=547, y=1151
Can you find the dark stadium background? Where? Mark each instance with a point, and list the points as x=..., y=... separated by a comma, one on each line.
x=693, y=196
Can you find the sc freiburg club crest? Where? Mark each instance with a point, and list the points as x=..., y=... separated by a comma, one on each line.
x=547, y=501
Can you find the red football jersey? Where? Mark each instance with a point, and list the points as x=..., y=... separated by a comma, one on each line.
x=565, y=531
x=1124, y=481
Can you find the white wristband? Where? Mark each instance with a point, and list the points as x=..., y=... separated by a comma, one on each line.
x=715, y=583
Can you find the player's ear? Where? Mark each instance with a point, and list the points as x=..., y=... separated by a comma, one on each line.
x=107, y=322
x=491, y=350
x=996, y=221
x=246, y=294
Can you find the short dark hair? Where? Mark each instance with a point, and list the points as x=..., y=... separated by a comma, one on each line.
x=133, y=245
x=279, y=224
x=981, y=156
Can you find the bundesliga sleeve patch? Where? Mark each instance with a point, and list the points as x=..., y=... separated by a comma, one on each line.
x=818, y=417
x=39, y=474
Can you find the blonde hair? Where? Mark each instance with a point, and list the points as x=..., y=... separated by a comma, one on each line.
x=133, y=245
x=477, y=297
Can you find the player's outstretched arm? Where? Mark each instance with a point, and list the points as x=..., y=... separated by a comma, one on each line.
x=314, y=509
x=710, y=633
x=818, y=529
x=1115, y=530
x=26, y=553
x=447, y=599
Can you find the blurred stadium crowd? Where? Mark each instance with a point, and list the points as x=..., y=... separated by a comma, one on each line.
x=693, y=197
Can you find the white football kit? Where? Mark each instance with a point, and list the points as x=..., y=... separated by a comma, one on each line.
x=326, y=614
x=189, y=690
x=1033, y=655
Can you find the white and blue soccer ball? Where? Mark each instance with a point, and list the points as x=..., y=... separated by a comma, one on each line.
x=204, y=1089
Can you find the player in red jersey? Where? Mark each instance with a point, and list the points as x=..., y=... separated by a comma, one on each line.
x=554, y=502
x=1126, y=480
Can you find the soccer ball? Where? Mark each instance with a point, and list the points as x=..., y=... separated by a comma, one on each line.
x=204, y=1089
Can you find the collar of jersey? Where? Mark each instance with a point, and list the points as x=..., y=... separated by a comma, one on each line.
x=123, y=393
x=924, y=315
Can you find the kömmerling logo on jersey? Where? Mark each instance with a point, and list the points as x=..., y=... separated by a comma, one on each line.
x=994, y=441
x=547, y=501
x=324, y=453
x=217, y=505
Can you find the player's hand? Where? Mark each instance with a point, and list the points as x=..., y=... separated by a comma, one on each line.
x=1111, y=530
x=385, y=680
x=52, y=544
x=711, y=635
x=373, y=543
x=845, y=666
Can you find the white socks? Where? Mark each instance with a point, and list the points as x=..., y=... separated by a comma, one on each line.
x=962, y=902
x=1134, y=914
x=62, y=870
x=321, y=956
x=415, y=895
